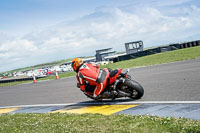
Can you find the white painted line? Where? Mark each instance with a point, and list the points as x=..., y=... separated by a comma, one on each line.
x=161, y=102
x=106, y=102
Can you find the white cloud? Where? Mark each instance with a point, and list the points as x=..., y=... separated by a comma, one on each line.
x=106, y=27
x=17, y=48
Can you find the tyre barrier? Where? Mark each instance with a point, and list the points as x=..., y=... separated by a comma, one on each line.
x=190, y=44
x=157, y=50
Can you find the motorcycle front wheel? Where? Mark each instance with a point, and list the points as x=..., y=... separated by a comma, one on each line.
x=133, y=88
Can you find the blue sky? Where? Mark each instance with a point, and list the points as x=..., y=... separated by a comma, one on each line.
x=23, y=16
x=39, y=31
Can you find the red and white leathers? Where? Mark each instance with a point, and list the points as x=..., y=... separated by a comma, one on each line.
x=91, y=73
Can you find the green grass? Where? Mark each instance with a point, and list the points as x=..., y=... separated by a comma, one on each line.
x=166, y=57
x=14, y=83
x=59, y=123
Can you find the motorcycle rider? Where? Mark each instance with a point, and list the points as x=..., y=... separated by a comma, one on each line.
x=89, y=74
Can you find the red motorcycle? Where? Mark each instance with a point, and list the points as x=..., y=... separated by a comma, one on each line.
x=120, y=84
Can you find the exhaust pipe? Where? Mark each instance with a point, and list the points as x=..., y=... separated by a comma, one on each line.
x=124, y=94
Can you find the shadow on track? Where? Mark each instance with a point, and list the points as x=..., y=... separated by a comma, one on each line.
x=106, y=102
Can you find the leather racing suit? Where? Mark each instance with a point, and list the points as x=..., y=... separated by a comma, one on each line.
x=92, y=74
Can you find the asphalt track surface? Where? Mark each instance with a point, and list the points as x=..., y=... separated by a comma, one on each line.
x=179, y=81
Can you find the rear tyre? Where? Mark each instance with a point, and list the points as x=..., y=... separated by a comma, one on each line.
x=134, y=88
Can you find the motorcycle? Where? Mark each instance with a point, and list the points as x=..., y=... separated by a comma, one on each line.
x=120, y=84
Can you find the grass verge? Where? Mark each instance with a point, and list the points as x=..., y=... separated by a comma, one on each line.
x=166, y=57
x=45, y=123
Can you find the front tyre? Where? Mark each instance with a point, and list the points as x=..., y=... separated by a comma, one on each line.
x=133, y=88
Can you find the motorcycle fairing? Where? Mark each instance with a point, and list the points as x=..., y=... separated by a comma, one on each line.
x=112, y=79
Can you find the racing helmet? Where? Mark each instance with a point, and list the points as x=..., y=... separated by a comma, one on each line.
x=76, y=63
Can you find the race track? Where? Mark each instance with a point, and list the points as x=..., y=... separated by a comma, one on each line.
x=179, y=81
